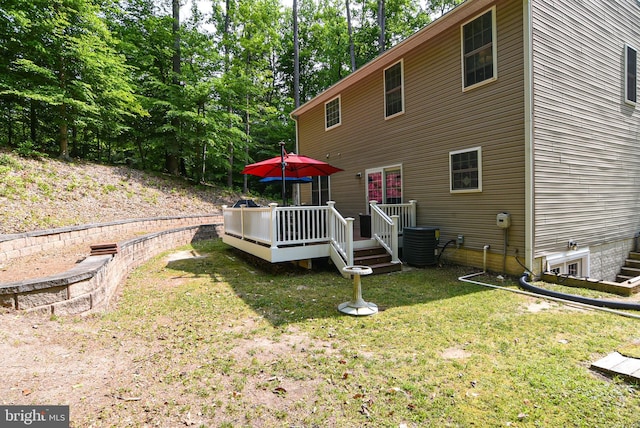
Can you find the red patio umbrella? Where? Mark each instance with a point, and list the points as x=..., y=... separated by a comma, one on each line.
x=289, y=165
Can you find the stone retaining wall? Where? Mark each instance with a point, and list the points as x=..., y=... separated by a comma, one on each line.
x=24, y=244
x=92, y=283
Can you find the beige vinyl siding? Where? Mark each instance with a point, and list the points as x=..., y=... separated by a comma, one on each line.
x=587, y=144
x=439, y=117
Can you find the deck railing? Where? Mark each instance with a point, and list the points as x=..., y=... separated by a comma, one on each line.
x=384, y=229
x=341, y=233
x=285, y=227
x=288, y=226
x=406, y=213
x=253, y=224
x=300, y=225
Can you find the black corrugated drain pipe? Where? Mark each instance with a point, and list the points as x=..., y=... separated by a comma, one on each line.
x=611, y=304
x=582, y=302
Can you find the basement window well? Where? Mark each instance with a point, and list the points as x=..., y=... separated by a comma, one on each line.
x=574, y=263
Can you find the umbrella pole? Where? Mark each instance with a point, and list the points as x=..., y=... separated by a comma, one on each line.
x=284, y=184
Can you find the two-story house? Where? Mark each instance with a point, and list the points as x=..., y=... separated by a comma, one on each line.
x=524, y=107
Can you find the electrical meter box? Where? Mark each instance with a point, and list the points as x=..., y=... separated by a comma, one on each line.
x=503, y=220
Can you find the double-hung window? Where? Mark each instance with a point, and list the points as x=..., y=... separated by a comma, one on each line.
x=479, y=51
x=465, y=169
x=393, y=90
x=332, y=116
x=631, y=75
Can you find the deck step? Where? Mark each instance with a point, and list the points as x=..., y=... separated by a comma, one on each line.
x=377, y=259
x=634, y=255
x=373, y=259
x=386, y=268
x=634, y=263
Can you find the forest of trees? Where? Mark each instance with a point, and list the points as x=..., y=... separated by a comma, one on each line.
x=191, y=91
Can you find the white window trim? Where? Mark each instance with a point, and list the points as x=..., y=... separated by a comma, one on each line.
x=339, y=113
x=566, y=257
x=494, y=50
x=479, y=189
x=384, y=89
x=626, y=69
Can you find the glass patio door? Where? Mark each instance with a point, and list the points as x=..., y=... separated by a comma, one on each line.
x=384, y=185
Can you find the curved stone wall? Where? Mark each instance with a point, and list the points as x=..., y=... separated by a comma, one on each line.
x=25, y=244
x=92, y=283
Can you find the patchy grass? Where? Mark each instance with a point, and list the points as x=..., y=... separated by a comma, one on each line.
x=217, y=341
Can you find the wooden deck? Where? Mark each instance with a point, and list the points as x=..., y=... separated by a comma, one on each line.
x=279, y=234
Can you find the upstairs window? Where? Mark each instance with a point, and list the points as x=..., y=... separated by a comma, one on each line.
x=393, y=90
x=479, y=50
x=631, y=75
x=332, y=113
x=465, y=170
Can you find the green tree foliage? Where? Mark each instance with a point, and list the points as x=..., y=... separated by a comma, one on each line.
x=60, y=63
x=98, y=79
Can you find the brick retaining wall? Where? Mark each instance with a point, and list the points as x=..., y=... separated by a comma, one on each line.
x=92, y=283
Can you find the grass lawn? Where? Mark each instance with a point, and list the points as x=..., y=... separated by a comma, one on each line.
x=218, y=341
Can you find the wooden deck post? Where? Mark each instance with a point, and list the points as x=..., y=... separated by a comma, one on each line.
x=274, y=225
x=413, y=210
x=349, y=243
x=394, y=239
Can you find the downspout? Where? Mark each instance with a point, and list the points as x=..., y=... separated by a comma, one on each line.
x=529, y=180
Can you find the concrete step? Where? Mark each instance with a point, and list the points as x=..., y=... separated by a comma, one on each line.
x=625, y=270
x=634, y=255
x=623, y=278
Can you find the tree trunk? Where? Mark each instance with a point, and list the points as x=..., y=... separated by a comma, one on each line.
x=172, y=157
x=74, y=142
x=9, y=127
x=64, y=131
x=227, y=24
x=381, y=24
x=141, y=151
x=352, y=50
x=203, y=169
x=247, y=131
x=33, y=121
x=296, y=57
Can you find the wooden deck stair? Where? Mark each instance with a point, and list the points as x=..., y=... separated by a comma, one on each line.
x=631, y=268
x=377, y=259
